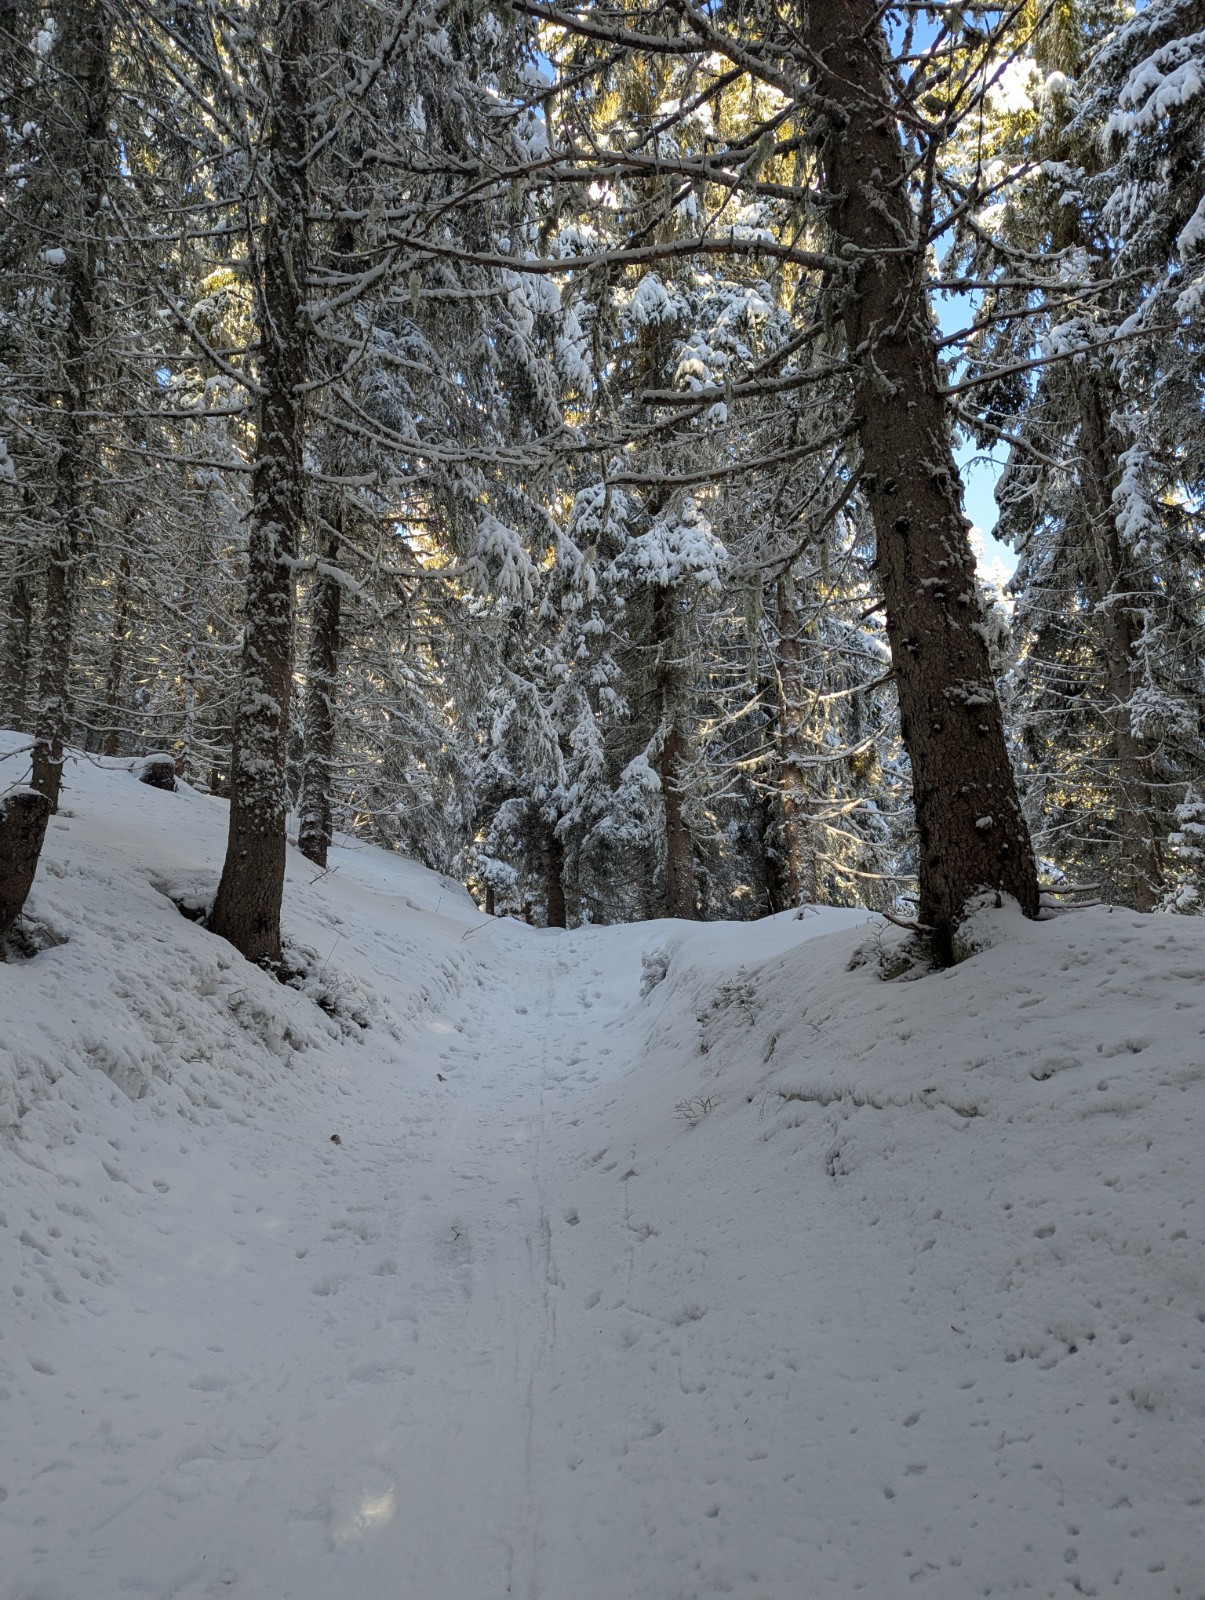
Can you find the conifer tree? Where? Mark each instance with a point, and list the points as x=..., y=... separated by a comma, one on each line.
x=1106, y=692
x=57, y=128
x=247, y=908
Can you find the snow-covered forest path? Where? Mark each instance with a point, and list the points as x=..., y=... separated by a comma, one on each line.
x=399, y=1291
x=909, y=1301
x=393, y=1312
x=445, y=1314
x=338, y=1377
x=469, y=1382
x=428, y=1249
x=460, y=1353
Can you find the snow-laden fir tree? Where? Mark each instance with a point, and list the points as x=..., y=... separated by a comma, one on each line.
x=1083, y=241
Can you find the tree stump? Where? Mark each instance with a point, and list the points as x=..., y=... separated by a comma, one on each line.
x=159, y=771
x=23, y=818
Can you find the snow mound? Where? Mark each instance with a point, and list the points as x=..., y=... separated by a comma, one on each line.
x=158, y=1005
x=961, y=1218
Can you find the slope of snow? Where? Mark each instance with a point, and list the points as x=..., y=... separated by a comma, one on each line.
x=653, y=1262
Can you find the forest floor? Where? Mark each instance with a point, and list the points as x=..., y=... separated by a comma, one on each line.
x=645, y=1263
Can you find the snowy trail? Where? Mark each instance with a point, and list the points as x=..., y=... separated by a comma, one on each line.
x=381, y=1433
x=441, y=1455
x=464, y=1362
x=911, y=1303
x=523, y=1333
x=426, y=1433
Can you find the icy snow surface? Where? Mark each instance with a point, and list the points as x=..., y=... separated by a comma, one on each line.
x=774, y=1280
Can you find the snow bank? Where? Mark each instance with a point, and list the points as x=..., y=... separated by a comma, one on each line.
x=158, y=1005
x=946, y=1240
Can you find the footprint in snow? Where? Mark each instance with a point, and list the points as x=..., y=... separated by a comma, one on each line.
x=373, y=1372
x=209, y=1383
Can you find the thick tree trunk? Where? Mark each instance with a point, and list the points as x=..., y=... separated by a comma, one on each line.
x=321, y=690
x=972, y=835
x=679, y=845
x=23, y=818
x=1135, y=803
x=117, y=659
x=778, y=889
x=84, y=67
x=15, y=667
x=247, y=908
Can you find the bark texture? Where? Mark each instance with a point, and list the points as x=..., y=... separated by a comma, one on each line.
x=679, y=845
x=315, y=805
x=554, y=866
x=247, y=908
x=799, y=844
x=972, y=835
x=23, y=818
x=321, y=693
x=1135, y=802
x=84, y=132
x=115, y=676
x=15, y=667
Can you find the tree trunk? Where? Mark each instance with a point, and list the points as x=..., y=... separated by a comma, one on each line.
x=972, y=835
x=679, y=846
x=554, y=866
x=189, y=760
x=321, y=690
x=84, y=71
x=16, y=664
x=23, y=818
x=53, y=701
x=799, y=845
x=117, y=659
x=326, y=638
x=771, y=821
x=186, y=745
x=1136, y=806
x=247, y=908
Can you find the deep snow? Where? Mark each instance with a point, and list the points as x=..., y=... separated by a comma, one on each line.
x=653, y=1262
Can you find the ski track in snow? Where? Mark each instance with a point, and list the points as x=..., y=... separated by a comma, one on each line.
x=526, y=1332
